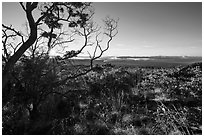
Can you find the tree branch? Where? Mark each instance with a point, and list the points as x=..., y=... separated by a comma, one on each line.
x=21, y=3
x=110, y=31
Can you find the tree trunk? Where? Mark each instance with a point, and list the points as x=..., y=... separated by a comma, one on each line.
x=11, y=62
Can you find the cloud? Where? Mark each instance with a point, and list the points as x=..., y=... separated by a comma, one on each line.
x=194, y=47
x=119, y=45
x=147, y=46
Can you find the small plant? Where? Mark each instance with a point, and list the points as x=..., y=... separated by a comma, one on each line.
x=171, y=120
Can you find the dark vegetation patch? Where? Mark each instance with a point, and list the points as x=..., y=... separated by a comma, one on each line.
x=116, y=98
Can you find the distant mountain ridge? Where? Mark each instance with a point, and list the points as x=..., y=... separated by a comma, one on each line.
x=140, y=57
x=141, y=61
x=158, y=57
x=149, y=57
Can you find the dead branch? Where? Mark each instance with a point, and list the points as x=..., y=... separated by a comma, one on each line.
x=110, y=31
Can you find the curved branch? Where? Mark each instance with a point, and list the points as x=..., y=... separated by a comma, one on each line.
x=32, y=38
x=110, y=31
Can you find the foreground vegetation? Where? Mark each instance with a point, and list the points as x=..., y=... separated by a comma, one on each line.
x=108, y=100
x=53, y=95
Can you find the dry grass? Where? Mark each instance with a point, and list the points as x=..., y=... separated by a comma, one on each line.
x=171, y=121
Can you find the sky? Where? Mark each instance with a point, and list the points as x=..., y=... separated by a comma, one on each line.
x=144, y=29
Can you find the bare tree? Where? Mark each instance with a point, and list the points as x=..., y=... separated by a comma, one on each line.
x=88, y=33
x=110, y=31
